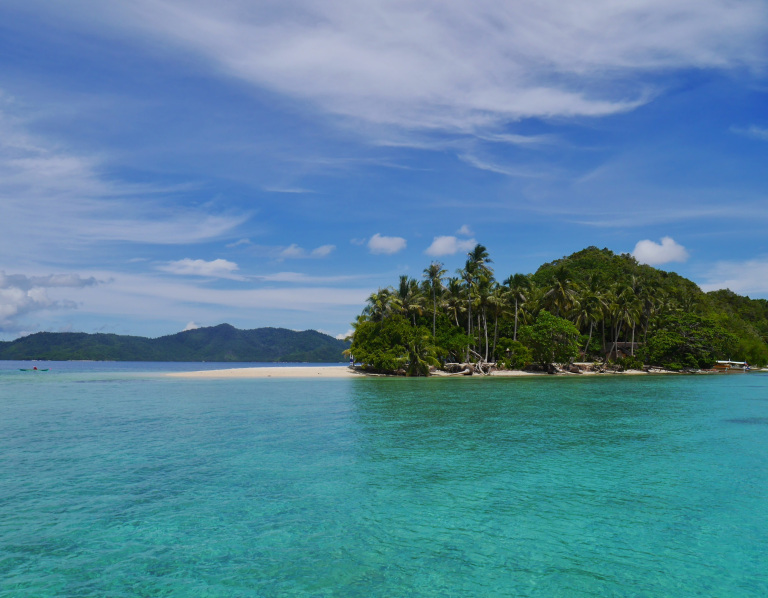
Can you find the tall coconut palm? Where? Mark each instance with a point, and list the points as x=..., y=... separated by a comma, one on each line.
x=590, y=310
x=434, y=277
x=454, y=298
x=484, y=292
x=517, y=287
x=476, y=265
x=626, y=309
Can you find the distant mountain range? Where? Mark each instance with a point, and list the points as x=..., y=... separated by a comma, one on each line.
x=215, y=343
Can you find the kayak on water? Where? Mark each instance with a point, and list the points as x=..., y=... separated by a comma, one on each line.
x=34, y=369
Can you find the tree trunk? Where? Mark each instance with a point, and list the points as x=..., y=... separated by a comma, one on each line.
x=590, y=338
x=632, y=346
x=434, y=311
x=495, y=334
x=514, y=336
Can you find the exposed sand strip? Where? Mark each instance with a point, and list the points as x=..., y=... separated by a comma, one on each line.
x=337, y=371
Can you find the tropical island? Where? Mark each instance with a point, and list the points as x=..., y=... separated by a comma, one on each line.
x=222, y=343
x=592, y=306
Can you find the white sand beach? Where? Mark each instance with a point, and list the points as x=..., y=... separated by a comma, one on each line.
x=343, y=371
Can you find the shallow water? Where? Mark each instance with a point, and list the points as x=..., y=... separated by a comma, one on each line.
x=129, y=484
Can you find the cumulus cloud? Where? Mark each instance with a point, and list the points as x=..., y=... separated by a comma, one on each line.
x=465, y=231
x=655, y=254
x=458, y=65
x=218, y=268
x=21, y=295
x=386, y=245
x=449, y=245
x=191, y=326
x=344, y=335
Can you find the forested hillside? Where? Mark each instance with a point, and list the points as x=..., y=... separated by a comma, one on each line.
x=591, y=305
x=216, y=343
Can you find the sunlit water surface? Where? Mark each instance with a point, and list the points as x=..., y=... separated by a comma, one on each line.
x=126, y=483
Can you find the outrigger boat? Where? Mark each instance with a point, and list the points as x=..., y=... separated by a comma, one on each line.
x=34, y=369
x=731, y=366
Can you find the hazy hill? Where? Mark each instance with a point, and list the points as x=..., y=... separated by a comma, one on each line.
x=215, y=343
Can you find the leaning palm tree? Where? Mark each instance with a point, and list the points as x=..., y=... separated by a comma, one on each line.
x=434, y=276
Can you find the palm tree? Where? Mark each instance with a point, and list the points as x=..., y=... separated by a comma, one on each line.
x=590, y=309
x=381, y=304
x=518, y=285
x=454, y=298
x=434, y=275
x=409, y=297
x=562, y=293
x=627, y=310
x=476, y=265
x=484, y=291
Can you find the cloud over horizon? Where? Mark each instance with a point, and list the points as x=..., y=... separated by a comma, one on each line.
x=21, y=295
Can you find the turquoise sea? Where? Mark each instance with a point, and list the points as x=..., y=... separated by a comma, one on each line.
x=116, y=481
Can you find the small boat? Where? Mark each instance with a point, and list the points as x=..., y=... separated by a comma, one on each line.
x=731, y=366
x=34, y=369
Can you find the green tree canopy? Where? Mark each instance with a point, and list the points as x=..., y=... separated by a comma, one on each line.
x=551, y=339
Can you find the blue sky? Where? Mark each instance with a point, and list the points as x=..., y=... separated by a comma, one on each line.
x=166, y=164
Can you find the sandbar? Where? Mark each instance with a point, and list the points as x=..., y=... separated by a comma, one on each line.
x=337, y=371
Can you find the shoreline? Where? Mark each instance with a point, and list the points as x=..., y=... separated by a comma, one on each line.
x=344, y=371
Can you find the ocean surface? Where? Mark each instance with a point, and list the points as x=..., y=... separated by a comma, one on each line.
x=116, y=481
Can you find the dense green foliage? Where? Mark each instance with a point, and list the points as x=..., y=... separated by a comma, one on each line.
x=591, y=305
x=394, y=344
x=216, y=343
x=687, y=341
x=551, y=339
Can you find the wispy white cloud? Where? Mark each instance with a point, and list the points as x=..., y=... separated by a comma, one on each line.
x=239, y=243
x=301, y=278
x=293, y=251
x=752, y=131
x=749, y=277
x=461, y=65
x=655, y=254
x=323, y=250
x=464, y=231
x=218, y=268
x=387, y=245
x=191, y=326
x=492, y=166
x=56, y=200
x=296, y=190
x=449, y=245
